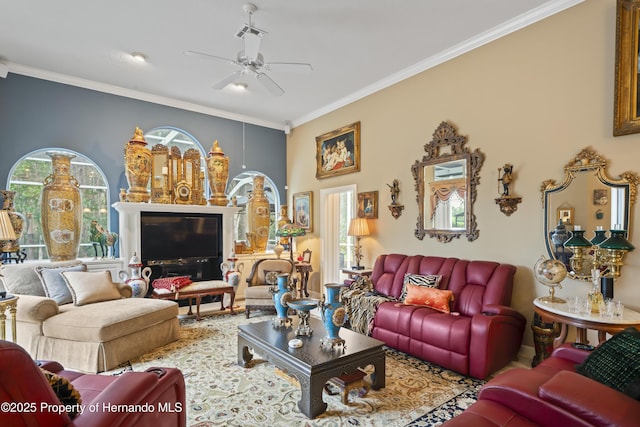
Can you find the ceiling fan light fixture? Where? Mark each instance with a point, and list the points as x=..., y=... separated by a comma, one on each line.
x=240, y=87
x=139, y=57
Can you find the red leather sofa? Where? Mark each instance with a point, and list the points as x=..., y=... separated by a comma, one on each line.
x=481, y=334
x=552, y=394
x=27, y=399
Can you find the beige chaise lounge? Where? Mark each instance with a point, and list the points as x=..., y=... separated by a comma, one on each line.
x=84, y=335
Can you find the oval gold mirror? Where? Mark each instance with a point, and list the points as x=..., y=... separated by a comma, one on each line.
x=445, y=180
x=588, y=201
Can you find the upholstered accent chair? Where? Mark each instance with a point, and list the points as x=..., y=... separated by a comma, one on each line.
x=257, y=295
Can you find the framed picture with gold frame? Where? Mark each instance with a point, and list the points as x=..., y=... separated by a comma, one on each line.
x=303, y=210
x=368, y=205
x=338, y=151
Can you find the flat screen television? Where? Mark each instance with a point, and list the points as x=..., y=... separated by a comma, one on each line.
x=169, y=236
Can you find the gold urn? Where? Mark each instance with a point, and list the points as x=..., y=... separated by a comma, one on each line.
x=218, y=174
x=137, y=161
x=61, y=210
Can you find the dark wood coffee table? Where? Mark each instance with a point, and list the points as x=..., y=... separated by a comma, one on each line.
x=311, y=364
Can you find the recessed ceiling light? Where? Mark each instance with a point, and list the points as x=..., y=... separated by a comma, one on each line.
x=139, y=57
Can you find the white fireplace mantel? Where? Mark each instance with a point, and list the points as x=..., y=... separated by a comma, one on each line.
x=129, y=223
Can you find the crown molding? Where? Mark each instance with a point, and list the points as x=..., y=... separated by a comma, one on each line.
x=141, y=96
x=544, y=11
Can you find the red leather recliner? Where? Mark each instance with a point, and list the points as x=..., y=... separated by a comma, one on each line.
x=550, y=395
x=155, y=397
x=481, y=335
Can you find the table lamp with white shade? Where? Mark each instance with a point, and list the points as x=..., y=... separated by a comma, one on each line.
x=358, y=228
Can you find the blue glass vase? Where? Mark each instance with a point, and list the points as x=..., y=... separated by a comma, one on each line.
x=333, y=314
x=281, y=297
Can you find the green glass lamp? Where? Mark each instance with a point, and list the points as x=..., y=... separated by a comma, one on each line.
x=580, y=247
x=290, y=231
x=616, y=246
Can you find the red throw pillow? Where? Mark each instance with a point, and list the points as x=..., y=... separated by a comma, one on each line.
x=172, y=284
x=438, y=299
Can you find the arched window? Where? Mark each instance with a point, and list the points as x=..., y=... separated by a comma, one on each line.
x=239, y=187
x=26, y=179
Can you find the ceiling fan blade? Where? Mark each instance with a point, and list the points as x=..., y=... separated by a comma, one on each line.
x=209, y=56
x=227, y=80
x=302, y=67
x=269, y=84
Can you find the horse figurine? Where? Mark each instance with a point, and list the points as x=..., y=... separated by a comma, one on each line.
x=103, y=238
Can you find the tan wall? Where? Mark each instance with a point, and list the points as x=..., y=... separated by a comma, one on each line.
x=534, y=98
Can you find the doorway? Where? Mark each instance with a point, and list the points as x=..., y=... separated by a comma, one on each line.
x=337, y=207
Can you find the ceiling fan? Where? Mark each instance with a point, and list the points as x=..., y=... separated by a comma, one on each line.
x=251, y=60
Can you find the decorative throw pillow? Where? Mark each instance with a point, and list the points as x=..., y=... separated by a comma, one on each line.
x=53, y=283
x=616, y=363
x=173, y=283
x=22, y=279
x=90, y=286
x=67, y=394
x=438, y=299
x=271, y=276
x=429, y=281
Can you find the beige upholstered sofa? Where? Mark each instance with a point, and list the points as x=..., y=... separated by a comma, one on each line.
x=99, y=329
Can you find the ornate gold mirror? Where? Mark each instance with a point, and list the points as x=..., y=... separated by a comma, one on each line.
x=588, y=204
x=445, y=180
x=626, y=112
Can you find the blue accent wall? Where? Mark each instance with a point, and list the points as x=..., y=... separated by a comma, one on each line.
x=36, y=114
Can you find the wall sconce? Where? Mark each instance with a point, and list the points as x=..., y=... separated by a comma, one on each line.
x=358, y=227
x=601, y=253
x=395, y=207
x=508, y=203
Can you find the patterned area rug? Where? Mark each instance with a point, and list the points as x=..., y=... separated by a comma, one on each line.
x=221, y=393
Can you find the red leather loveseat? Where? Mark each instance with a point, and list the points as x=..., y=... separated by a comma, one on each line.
x=481, y=334
x=552, y=394
x=155, y=397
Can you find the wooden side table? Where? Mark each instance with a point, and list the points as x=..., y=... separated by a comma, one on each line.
x=559, y=312
x=304, y=268
x=10, y=303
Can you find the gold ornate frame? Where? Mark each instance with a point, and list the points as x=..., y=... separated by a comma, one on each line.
x=368, y=205
x=338, y=151
x=445, y=137
x=303, y=203
x=626, y=119
x=587, y=160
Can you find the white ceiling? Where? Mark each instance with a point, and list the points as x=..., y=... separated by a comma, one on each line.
x=355, y=47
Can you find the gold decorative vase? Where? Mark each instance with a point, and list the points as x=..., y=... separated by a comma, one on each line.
x=137, y=161
x=218, y=174
x=17, y=221
x=258, y=215
x=61, y=209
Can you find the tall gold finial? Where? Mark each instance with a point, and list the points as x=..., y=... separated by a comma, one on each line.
x=138, y=135
x=216, y=148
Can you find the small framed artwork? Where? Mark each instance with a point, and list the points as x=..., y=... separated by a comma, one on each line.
x=303, y=210
x=368, y=205
x=566, y=215
x=338, y=151
x=600, y=197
